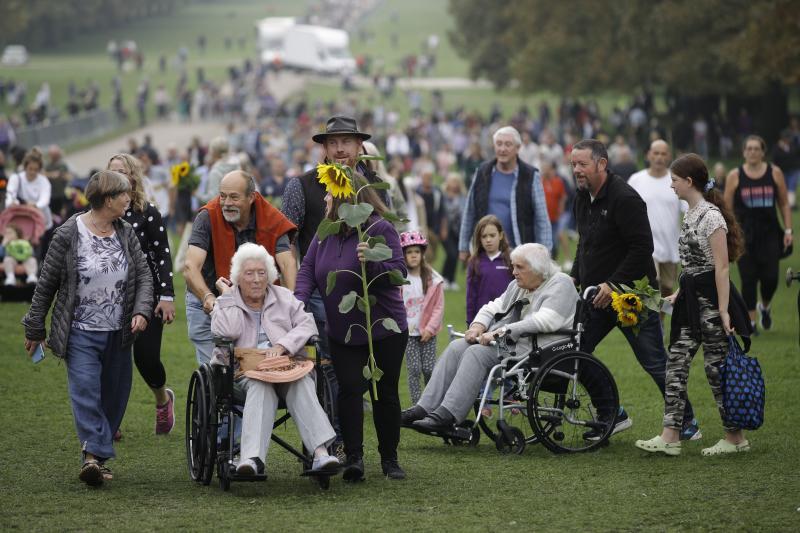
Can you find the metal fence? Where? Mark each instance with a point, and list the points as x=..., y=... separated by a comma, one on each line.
x=89, y=125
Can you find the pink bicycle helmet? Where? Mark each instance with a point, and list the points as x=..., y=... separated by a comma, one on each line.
x=413, y=238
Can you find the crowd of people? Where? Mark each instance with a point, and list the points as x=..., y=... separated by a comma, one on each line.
x=248, y=205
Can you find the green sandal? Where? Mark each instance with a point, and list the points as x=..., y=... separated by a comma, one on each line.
x=659, y=445
x=724, y=447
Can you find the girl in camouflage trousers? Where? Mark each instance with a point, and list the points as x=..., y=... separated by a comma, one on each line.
x=707, y=307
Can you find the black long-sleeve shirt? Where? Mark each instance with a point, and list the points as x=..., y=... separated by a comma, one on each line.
x=615, y=242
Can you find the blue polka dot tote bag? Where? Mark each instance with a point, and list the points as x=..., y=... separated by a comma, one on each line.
x=743, y=390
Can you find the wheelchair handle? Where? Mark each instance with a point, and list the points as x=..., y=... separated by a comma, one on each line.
x=589, y=292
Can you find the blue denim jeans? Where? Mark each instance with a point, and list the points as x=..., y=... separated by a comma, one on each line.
x=648, y=345
x=99, y=373
x=199, y=325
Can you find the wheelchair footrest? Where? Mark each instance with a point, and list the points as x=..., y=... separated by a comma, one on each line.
x=255, y=477
x=325, y=472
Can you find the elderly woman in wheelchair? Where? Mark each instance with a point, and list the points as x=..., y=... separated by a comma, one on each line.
x=506, y=341
x=269, y=323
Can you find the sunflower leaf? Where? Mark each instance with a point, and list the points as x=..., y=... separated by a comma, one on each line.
x=330, y=282
x=379, y=252
x=390, y=324
x=348, y=301
x=327, y=228
x=347, y=337
x=366, y=372
x=377, y=374
x=396, y=278
x=354, y=215
x=377, y=239
x=393, y=218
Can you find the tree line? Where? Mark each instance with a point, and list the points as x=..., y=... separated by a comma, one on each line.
x=47, y=23
x=707, y=55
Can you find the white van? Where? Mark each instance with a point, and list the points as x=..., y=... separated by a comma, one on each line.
x=318, y=49
x=270, y=35
x=14, y=55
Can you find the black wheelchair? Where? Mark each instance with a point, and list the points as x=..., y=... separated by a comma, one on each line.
x=215, y=403
x=556, y=395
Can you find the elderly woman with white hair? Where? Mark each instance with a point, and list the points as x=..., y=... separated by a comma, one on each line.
x=549, y=299
x=257, y=314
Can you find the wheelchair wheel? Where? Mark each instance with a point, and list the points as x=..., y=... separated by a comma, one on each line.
x=326, y=394
x=196, y=426
x=509, y=440
x=570, y=396
x=212, y=425
x=515, y=413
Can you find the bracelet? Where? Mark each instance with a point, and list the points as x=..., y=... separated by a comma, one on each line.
x=206, y=296
x=788, y=231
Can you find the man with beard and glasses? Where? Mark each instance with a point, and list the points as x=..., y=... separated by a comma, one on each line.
x=237, y=215
x=615, y=247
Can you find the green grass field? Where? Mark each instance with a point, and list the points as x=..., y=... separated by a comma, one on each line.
x=450, y=489
x=453, y=489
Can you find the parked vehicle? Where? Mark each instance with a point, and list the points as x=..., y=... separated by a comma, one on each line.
x=270, y=35
x=318, y=49
x=14, y=55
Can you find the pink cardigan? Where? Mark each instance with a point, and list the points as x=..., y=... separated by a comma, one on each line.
x=282, y=317
x=432, y=306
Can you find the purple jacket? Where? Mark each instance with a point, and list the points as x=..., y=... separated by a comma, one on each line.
x=338, y=252
x=493, y=281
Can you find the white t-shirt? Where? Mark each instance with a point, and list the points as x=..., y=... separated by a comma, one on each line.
x=664, y=210
x=413, y=298
x=36, y=193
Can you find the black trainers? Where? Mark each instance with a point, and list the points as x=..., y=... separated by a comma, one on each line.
x=353, y=469
x=391, y=469
x=434, y=423
x=411, y=415
x=766, y=317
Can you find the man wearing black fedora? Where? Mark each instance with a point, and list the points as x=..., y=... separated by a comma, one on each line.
x=304, y=204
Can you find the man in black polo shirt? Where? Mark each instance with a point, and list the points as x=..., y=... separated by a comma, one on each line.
x=615, y=246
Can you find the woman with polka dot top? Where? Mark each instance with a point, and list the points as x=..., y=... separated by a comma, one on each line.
x=146, y=221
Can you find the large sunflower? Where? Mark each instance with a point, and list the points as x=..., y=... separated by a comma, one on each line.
x=335, y=180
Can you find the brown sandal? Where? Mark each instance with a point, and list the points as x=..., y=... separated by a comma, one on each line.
x=91, y=474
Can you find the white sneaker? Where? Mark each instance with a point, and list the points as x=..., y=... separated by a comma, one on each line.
x=11, y=280
x=32, y=279
x=247, y=467
x=454, y=287
x=325, y=462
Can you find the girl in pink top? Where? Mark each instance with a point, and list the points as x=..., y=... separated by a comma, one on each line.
x=423, y=297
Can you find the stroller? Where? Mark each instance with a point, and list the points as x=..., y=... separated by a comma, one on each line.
x=30, y=222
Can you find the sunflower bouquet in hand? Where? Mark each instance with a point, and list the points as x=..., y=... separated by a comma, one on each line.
x=341, y=182
x=184, y=178
x=633, y=304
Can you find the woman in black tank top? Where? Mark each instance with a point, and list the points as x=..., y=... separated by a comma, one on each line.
x=753, y=191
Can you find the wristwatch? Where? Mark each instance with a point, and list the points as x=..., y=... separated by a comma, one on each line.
x=788, y=231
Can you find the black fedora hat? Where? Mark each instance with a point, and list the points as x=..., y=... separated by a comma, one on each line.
x=340, y=125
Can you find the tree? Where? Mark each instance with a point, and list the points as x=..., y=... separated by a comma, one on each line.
x=703, y=50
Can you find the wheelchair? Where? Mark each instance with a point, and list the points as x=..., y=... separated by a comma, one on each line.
x=213, y=405
x=555, y=395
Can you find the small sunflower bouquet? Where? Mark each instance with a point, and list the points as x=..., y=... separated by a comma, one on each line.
x=633, y=304
x=184, y=178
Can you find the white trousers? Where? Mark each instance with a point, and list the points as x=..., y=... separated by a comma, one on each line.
x=261, y=404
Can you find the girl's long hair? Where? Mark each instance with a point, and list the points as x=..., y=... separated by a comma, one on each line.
x=692, y=166
x=505, y=250
x=425, y=270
